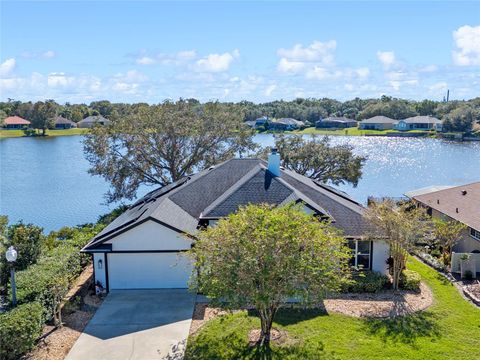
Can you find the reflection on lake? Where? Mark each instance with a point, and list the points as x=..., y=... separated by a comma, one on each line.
x=45, y=181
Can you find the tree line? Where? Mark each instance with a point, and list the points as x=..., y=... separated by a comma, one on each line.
x=458, y=115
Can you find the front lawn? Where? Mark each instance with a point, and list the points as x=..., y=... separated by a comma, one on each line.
x=63, y=132
x=449, y=329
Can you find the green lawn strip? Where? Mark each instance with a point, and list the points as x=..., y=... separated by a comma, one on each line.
x=21, y=133
x=351, y=132
x=449, y=329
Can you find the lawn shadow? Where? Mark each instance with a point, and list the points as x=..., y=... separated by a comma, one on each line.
x=443, y=279
x=293, y=315
x=405, y=329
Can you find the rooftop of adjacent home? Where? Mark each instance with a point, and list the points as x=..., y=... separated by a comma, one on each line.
x=461, y=203
x=15, y=120
x=379, y=120
x=423, y=120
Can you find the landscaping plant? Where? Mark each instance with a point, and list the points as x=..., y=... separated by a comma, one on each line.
x=446, y=234
x=260, y=257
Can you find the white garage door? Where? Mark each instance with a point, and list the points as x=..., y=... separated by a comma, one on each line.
x=148, y=270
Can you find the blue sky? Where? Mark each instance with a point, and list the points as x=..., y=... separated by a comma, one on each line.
x=259, y=51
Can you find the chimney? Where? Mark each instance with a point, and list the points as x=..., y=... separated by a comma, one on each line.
x=274, y=162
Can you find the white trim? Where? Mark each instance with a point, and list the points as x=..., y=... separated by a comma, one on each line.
x=473, y=233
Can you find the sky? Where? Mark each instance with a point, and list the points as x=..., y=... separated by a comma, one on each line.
x=134, y=51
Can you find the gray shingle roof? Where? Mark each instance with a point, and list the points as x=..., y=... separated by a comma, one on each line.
x=379, y=120
x=422, y=120
x=216, y=192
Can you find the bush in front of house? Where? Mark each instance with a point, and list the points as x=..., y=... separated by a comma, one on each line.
x=19, y=329
x=366, y=282
x=410, y=280
x=58, y=266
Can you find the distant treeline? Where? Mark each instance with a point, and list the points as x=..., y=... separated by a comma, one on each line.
x=458, y=115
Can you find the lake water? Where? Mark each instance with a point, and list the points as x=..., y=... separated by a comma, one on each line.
x=45, y=181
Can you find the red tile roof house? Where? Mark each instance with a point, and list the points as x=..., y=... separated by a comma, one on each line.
x=144, y=247
x=15, y=122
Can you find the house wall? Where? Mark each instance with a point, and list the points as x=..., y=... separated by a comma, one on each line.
x=466, y=243
x=150, y=236
x=376, y=126
x=381, y=252
x=99, y=271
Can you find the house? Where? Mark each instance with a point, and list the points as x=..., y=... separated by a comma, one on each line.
x=461, y=203
x=250, y=123
x=62, y=123
x=15, y=122
x=261, y=122
x=145, y=246
x=378, y=123
x=419, y=123
x=335, y=123
x=286, y=124
x=93, y=120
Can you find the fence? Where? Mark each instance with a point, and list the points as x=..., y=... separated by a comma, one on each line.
x=456, y=260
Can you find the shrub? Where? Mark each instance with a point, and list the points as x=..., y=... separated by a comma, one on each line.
x=410, y=280
x=366, y=281
x=19, y=329
x=468, y=275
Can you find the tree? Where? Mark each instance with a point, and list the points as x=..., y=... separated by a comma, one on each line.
x=43, y=115
x=461, y=119
x=27, y=239
x=401, y=225
x=159, y=144
x=319, y=160
x=446, y=234
x=261, y=256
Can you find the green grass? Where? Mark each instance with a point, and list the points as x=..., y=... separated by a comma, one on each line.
x=20, y=133
x=349, y=132
x=449, y=329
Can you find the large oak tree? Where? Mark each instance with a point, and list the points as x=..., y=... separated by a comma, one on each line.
x=155, y=145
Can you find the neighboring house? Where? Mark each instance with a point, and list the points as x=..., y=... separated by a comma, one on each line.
x=378, y=123
x=461, y=203
x=285, y=124
x=145, y=246
x=261, y=122
x=62, y=123
x=419, y=123
x=335, y=123
x=15, y=122
x=93, y=120
x=250, y=123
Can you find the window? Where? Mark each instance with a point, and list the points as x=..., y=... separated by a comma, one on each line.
x=361, y=254
x=475, y=234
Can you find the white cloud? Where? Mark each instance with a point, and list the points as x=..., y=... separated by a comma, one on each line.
x=287, y=66
x=177, y=58
x=6, y=68
x=48, y=54
x=316, y=52
x=145, y=60
x=387, y=58
x=429, y=69
x=467, y=41
x=363, y=72
x=59, y=80
x=216, y=62
x=442, y=85
x=269, y=90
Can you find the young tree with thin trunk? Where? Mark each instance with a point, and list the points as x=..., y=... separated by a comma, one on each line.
x=262, y=256
x=401, y=225
x=446, y=233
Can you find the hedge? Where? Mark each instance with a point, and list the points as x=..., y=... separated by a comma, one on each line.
x=366, y=282
x=54, y=272
x=19, y=329
x=410, y=280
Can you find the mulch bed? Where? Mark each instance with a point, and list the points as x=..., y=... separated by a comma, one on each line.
x=80, y=307
x=377, y=305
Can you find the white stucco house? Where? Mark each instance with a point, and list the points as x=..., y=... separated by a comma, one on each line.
x=146, y=246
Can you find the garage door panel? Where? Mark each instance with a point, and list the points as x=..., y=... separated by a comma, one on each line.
x=148, y=270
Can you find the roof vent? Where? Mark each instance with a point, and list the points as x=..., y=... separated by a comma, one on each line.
x=464, y=192
x=211, y=167
x=438, y=201
x=456, y=210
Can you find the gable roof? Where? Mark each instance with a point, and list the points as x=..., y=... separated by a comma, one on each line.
x=15, y=120
x=422, y=120
x=461, y=203
x=94, y=119
x=62, y=120
x=289, y=121
x=220, y=190
x=379, y=120
x=341, y=119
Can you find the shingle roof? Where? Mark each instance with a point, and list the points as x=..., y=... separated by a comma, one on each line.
x=422, y=120
x=93, y=119
x=379, y=120
x=216, y=192
x=62, y=120
x=341, y=119
x=461, y=203
x=15, y=120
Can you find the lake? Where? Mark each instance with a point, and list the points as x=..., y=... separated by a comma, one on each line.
x=45, y=181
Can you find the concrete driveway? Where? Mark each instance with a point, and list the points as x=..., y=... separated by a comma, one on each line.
x=136, y=324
